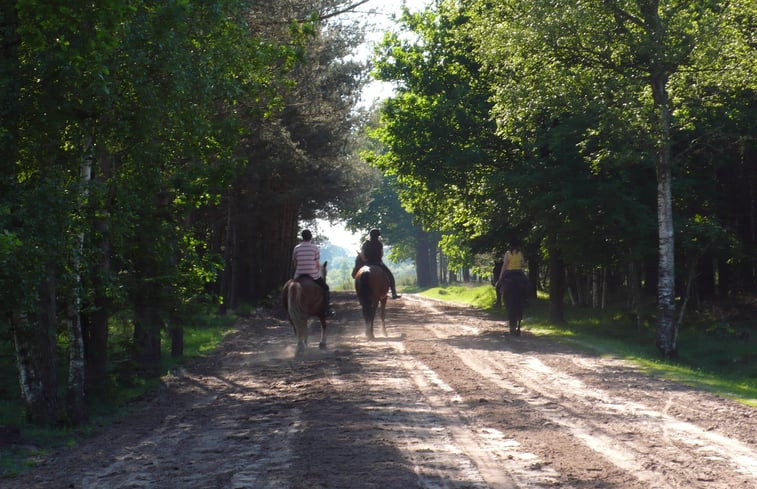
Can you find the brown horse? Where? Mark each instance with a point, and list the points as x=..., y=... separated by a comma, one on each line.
x=303, y=299
x=372, y=287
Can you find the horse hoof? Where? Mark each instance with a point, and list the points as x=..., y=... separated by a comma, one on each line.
x=300, y=350
x=322, y=345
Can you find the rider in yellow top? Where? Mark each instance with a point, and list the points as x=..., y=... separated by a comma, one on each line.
x=512, y=269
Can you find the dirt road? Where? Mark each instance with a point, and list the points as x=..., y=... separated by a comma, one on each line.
x=448, y=400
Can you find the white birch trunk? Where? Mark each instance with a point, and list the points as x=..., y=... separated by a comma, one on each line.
x=76, y=363
x=666, y=326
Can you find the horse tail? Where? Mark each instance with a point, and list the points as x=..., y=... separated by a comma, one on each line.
x=294, y=303
x=365, y=295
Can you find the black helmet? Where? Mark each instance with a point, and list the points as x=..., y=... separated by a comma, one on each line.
x=307, y=235
x=375, y=233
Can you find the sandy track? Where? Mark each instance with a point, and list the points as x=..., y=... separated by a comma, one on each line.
x=448, y=400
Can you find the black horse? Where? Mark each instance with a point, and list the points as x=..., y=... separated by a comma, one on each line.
x=515, y=289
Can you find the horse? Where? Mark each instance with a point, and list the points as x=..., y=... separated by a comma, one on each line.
x=372, y=288
x=303, y=299
x=515, y=289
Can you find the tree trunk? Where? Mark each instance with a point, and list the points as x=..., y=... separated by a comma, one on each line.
x=96, y=337
x=533, y=273
x=635, y=292
x=749, y=161
x=147, y=321
x=75, y=404
x=666, y=323
x=556, y=286
x=146, y=338
x=724, y=279
x=434, y=255
x=176, y=333
x=423, y=268
x=35, y=342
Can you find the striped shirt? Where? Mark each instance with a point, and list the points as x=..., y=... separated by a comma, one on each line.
x=307, y=260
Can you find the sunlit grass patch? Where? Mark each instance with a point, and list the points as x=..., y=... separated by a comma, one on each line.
x=482, y=296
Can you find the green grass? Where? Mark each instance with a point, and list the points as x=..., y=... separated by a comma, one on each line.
x=709, y=359
x=481, y=296
x=201, y=337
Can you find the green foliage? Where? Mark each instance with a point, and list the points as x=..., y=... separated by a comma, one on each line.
x=127, y=118
x=440, y=142
x=565, y=123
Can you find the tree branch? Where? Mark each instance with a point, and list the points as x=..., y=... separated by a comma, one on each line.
x=622, y=15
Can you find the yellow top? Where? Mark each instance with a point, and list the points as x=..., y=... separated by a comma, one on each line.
x=514, y=261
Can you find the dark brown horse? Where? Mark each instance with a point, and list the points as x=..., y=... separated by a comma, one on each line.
x=372, y=287
x=303, y=299
x=515, y=289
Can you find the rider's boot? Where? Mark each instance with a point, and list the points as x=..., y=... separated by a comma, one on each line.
x=393, y=287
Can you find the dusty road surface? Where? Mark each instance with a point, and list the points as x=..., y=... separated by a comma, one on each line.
x=448, y=400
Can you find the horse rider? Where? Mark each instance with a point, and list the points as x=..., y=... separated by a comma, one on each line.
x=512, y=265
x=373, y=252
x=307, y=261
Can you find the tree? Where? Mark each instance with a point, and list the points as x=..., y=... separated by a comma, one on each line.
x=440, y=144
x=645, y=42
x=299, y=158
x=123, y=122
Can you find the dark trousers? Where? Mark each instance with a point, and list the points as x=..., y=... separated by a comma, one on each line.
x=388, y=273
x=326, y=293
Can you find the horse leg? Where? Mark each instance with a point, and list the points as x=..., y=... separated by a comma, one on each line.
x=301, y=327
x=522, y=299
x=520, y=314
x=370, y=316
x=322, y=343
x=369, y=329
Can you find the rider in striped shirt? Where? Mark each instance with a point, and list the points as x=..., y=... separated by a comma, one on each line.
x=307, y=261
